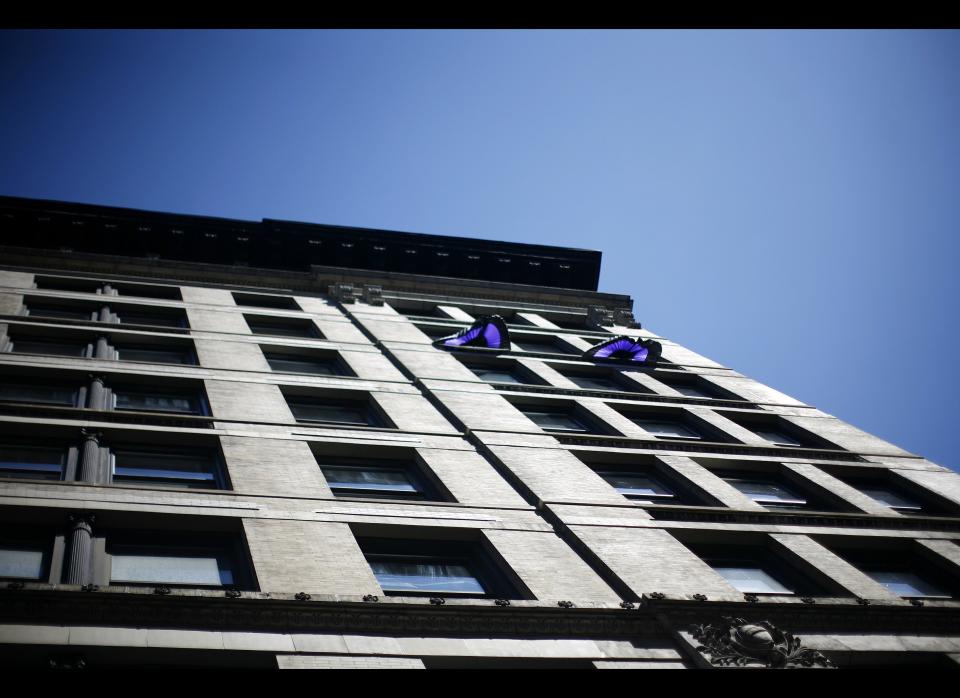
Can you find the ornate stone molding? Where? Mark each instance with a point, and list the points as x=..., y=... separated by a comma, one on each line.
x=737, y=642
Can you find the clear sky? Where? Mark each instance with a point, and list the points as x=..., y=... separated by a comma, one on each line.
x=785, y=203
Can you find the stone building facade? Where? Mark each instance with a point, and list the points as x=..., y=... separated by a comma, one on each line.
x=233, y=443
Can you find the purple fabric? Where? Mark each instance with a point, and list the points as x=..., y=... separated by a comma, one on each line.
x=488, y=332
x=622, y=348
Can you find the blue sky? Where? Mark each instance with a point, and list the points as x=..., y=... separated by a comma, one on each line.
x=785, y=203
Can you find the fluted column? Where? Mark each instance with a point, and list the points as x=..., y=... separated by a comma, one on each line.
x=96, y=396
x=103, y=350
x=79, y=568
x=89, y=456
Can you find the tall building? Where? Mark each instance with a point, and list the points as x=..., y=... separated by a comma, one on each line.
x=277, y=444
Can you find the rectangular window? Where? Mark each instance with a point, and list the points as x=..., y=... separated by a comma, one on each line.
x=263, y=301
x=776, y=437
x=555, y=421
x=767, y=492
x=666, y=429
x=639, y=487
x=306, y=409
x=544, y=346
x=129, y=315
x=23, y=561
x=156, y=354
x=60, y=312
x=594, y=382
x=144, y=400
x=33, y=462
x=57, y=283
x=888, y=497
x=496, y=376
x=282, y=327
x=38, y=393
x=434, y=568
x=900, y=569
x=198, y=468
x=41, y=345
x=750, y=579
x=908, y=584
x=180, y=565
x=753, y=569
x=293, y=363
x=380, y=480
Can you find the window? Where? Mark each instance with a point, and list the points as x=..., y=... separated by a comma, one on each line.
x=639, y=487
x=180, y=562
x=59, y=311
x=886, y=495
x=756, y=570
x=262, y=301
x=900, y=569
x=56, y=283
x=193, y=468
x=666, y=429
x=282, y=327
x=776, y=437
x=492, y=375
x=309, y=409
x=695, y=387
x=296, y=363
x=107, y=288
x=38, y=393
x=24, y=561
x=141, y=399
x=132, y=315
x=27, y=344
x=33, y=462
x=434, y=568
x=542, y=346
x=158, y=354
x=767, y=491
x=554, y=420
x=391, y=480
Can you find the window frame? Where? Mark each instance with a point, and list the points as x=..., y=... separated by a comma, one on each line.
x=760, y=557
x=305, y=327
x=335, y=362
x=187, y=352
x=19, y=443
x=248, y=300
x=421, y=488
x=211, y=456
x=195, y=395
x=373, y=416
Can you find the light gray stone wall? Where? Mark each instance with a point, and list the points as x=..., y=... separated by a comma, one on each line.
x=308, y=556
x=273, y=467
x=209, y=320
x=235, y=356
x=250, y=402
x=549, y=568
x=15, y=279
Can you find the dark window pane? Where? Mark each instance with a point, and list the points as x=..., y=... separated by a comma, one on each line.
x=62, y=312
x=691, y=391
x=892, y=499
x=542, y=347
x=43, y=346
x=439, y=576
x=595, y=382
x=373, y=480
x=196, y=470
x=257, y=301
x=329, y=412
x=777, y=437
x=495, y=376
x=34, y=462
x=154, y=355
x=557, y=421
x=43, y=394
x=283, y=329
x=147, y=401
x=665, y=429
x=639, y=487
x=54, y=283
x=767, y=493
x=141, y=317
x=290, y=364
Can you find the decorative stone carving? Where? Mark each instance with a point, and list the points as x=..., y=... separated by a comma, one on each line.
x=627, y=604
x=736, y=642
x=81, y=545
x=808, y=599
x=565, y=604
x=371, y=598
x=862, y=601
x=502, y=602
x=161, y=590
x=437, y=601
x=232, y=593
x=373, y=295
x=302, y=596
x=598, y=316
x=700, y=597
x=90, y=587
x=916, y=602
x=343, y=293
x=656, y=595
x=751, y=598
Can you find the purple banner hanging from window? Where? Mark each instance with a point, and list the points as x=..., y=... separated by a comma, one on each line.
x=624, y=349
x=488, y=332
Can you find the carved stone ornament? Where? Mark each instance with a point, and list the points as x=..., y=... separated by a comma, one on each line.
x=302, y=596
x=751, y=598
x=371, y=598
x=736, y=642
x=90, y=587
x=657, y=595
x=437, y=601
x=565, y=604
x=502, y=602
x=232, y=593
x=161, y=590
x=700, y=597
x=916, y=602
x=627, y=604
